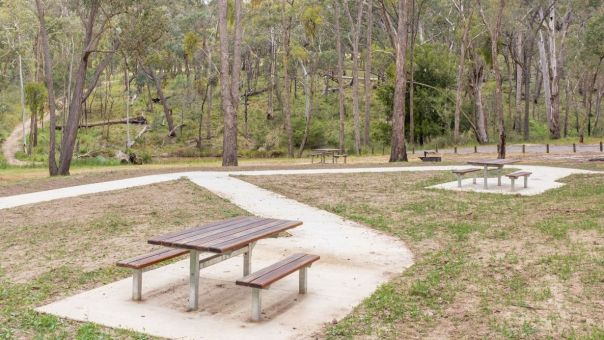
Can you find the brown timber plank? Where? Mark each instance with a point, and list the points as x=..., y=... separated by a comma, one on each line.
x=278, y=271
x=237, y=243
x=196, y=229
x=146, y=260
x=266, y=270
x=218, y=232
x=242, y=232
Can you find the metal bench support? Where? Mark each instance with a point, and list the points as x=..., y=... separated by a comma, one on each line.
x=303, y=280
x=256, y=304
x=137, y=284
x=194, y=280
x=247, y=259
x=513, y=183
x=525, y=181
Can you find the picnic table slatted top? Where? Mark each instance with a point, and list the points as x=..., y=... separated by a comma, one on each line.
x=224, y=236
x=493, y=162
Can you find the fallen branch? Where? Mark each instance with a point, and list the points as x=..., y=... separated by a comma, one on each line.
x=135, y=120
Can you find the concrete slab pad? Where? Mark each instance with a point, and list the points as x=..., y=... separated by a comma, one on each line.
x=354, y=261
x=543, y=178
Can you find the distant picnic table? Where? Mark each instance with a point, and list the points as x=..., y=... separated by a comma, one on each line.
x=225, y=239
x=493, y=163
x=322, y=152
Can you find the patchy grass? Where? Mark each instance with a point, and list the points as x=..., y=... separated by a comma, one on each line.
x=55, y=249
x=487, y=266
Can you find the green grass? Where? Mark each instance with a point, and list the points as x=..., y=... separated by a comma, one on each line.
x=487, y=266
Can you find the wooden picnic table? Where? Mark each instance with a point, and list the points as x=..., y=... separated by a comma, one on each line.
x=325, y=151
x=225, y=239
x=494, y=163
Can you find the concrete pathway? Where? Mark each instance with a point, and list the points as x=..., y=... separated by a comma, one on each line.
x=355, y=260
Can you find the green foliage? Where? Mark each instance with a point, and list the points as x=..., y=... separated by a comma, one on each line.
x=594, y=36
x=35, y=97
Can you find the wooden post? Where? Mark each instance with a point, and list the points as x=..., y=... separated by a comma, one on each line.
x=523, y=148
x=436, y=148
x=601, y=148
x=413, y=150
x=475, y=149
x=546, y=148
x=455, y=149
x=574, y=147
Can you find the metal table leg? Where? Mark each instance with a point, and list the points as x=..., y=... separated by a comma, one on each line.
x=193, y=279
x=486, y=177
x=499, y=176
x=247, y=259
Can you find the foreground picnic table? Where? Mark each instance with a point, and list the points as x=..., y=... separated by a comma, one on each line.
x=224, y=239
x=495, y=163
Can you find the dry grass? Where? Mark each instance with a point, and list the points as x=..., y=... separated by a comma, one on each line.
x=58, y=248
x=488, y=266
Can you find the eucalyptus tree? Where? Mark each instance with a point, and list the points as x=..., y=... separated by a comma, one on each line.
x=229, y=78
x=398, y=150
x=100, y=41
x=355, y=33
x=494, y=30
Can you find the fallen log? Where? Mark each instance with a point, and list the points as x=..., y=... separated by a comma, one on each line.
x=134, y=120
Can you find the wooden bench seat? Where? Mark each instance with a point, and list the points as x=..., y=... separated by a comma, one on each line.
x=263, y=278
x=138, y=263
x=338, y=155
x=461, y=172
x=517, y=174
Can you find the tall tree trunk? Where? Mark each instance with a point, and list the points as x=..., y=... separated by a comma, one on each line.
x=477, y=83
x=368, y=41
x=544, y=63
x=526, y=69
x=157, y=80
x=209, y=93
x=229, y=84
x=412, y=73
x=308, y=105
x=494, y=33
x=399, y=149
x=460, y=73
x=52, y=162
x=355, y=28
x=270, y=112
x=79, y=96
x=286, y=21
x=340, y=72
x=554, y=75
x=519, y=82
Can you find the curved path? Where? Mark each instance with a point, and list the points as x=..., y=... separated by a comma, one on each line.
x=355, y=260
x=14, y=143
